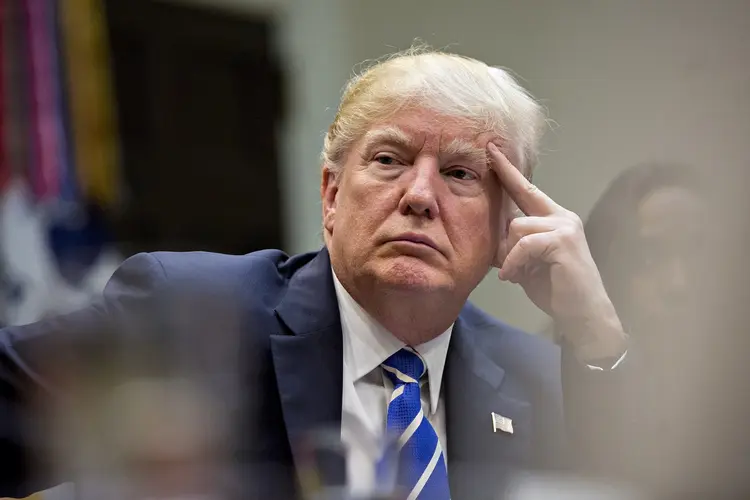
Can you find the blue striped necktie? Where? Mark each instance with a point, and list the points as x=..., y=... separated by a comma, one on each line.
x=421, y=471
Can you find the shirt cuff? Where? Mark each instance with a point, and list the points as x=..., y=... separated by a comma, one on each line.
x=599, y=366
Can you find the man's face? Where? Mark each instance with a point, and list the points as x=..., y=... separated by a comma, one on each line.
x=415, y=206
x=670, y=255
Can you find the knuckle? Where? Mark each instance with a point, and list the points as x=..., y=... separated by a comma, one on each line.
x=574, y=218
x=524, y=244
x=567, y=233
x=515, y=225
x=568, y=236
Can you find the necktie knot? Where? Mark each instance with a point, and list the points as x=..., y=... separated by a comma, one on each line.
x=404, y=367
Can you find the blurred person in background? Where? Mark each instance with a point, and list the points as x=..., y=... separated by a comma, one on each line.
x=423, y=171
x=649, y=234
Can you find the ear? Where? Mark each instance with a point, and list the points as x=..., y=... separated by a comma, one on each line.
x=502, y=248
x=329, y=189
x=507, y=214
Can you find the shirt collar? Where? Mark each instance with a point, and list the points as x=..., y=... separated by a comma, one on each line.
x=367, y=344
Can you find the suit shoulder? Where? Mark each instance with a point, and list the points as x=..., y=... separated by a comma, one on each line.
x=204, y=278
x=167, y=272
x=209, y=266
x=200, y=291
x=513, y=346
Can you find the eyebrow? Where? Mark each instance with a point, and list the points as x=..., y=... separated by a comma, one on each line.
x=389, y=134
x=459, y=148
x=455, y=148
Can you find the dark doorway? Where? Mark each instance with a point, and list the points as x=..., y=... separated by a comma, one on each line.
x=199, y=95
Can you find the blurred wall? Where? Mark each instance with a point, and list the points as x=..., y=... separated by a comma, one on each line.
x=625, y=81
x=314, y=43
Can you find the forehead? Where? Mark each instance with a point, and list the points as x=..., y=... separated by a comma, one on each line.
x=671, y=211
x=425, y=129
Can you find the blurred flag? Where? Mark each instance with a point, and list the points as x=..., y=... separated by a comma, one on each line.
x=44, y=110
x=4, y=166
x=92, y=106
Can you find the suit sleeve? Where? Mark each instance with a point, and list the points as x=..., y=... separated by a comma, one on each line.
x=40, y=362
x=593, y=400
x=550, y=421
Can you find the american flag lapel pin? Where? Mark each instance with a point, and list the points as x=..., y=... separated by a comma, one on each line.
x=502, y=424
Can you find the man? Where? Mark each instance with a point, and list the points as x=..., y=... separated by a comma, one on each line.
x=427, y=158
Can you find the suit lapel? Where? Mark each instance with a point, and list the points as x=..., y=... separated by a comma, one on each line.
x=476, y=387
x=308, y=363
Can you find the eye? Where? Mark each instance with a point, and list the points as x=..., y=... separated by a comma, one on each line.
x=462, y=174
x=385, y=159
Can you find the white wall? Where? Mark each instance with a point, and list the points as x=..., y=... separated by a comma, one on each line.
x=627, y=81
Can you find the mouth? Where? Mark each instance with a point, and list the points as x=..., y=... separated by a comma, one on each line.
x=417, y=240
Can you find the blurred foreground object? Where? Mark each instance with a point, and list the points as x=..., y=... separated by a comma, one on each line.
x=560, y=487
x=151, y=438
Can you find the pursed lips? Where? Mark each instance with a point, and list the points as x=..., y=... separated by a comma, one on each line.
x=417, y=239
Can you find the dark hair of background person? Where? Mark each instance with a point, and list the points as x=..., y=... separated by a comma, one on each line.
x=613, y=223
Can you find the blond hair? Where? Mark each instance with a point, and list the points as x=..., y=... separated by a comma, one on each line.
x=449, y=84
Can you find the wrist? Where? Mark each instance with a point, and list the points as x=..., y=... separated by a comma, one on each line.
x=596, y=341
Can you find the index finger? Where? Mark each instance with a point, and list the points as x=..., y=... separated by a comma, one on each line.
x=529, y=198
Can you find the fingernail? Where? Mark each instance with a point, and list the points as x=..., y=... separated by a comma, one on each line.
x=491, y=146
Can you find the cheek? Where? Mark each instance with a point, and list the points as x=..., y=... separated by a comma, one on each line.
x=361, y=188
x=644, y=292
x=475, y=230
x=365, y=202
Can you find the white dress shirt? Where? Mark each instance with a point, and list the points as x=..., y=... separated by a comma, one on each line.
x=366, y=389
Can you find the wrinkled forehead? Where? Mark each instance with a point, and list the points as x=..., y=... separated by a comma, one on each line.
x=422, y=130
x=442, y=144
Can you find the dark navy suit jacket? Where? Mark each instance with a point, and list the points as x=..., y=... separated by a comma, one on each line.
x=280, y=316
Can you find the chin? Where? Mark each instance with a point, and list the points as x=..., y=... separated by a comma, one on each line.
x=412, y=273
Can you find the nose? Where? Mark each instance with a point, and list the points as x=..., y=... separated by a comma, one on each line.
x=677, y=278
x=420, y=194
